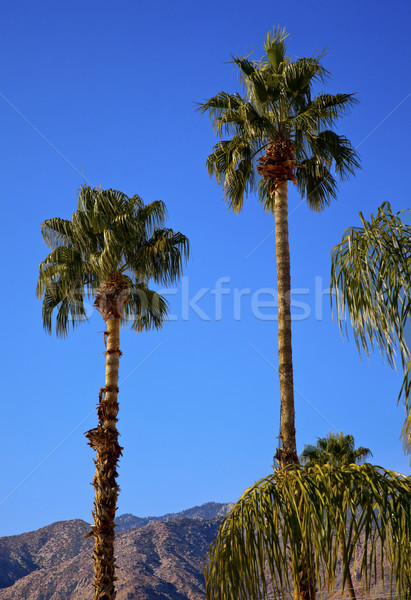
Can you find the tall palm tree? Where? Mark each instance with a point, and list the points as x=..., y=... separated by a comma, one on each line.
x=371, y=279
x=110, y=249
x=336, y=449
x=279, y=132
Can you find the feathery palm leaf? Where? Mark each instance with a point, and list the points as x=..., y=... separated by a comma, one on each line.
x=258, y=549
x=371, y=279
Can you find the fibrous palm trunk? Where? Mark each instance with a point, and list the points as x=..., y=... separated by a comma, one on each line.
x=104, y=440
x=287, y=453
x=277, y=167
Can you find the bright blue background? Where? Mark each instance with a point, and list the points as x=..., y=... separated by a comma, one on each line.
x=112, y=87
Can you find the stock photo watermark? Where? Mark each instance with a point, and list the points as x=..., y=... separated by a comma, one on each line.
x=223, y=301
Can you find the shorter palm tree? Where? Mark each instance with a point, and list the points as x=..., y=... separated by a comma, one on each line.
x=339, y=450
x=334, y=449
x=257, y=553
x=112, y=247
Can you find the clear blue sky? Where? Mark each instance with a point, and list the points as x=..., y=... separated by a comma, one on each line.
x=107, y=89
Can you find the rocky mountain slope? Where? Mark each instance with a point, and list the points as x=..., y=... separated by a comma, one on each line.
x=160, y=559
x=156, y=560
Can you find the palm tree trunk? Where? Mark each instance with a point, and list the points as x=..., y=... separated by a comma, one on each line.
x=348, y=580
x=104, y=440
x=287, y=453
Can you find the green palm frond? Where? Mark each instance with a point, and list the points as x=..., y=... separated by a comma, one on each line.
x=302, y=73
x=371, y=280
x=232, y=164
x=329, y=108
x=336, y=149
x=316, y=182
x=109, y=235
x=145, y=309
x=275, y=47
x=69, y=305
x=306, y=512
x=57, y=231
x=151, y=216
x=161, y=257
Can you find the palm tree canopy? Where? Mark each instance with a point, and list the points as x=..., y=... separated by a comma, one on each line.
x=110, y=237
x=279, y=105
x=371, y=281
x=305, y=512
x=335, y=449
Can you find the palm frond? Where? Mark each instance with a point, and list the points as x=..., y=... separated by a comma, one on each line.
x=231, y=114
x=232, y=164
x=336, y=149
x=370, y=276
x=275, y=47
x=306, y=512
x=56, y=232
x=316, y=183
x=161, y=257
x=145, y=308
x=70, y=308
x=301, y=74
x=332, y=107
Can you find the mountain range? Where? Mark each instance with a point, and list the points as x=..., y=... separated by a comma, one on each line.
x=159, y=558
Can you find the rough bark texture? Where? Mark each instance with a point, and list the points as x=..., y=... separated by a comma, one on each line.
x=110, y=301
x=287, y=453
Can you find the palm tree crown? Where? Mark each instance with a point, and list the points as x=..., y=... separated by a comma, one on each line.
x=111, y=242
x=281, y=116
x=334, y=449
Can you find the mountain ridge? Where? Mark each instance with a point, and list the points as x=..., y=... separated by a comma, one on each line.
x=161, y=560
x=158, y=557
x=209, y=510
